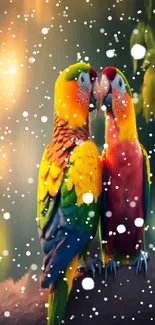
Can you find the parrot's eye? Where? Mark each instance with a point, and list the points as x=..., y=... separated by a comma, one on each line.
x=84, y=80
x=120, y=82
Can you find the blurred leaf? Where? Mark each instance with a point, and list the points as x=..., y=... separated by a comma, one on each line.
x=141, y=27
x=149, y=58
x=137, y=37
x=138, y=104
x=149, y=37
x=148, y=8
x=134, y=62
x=148, y=93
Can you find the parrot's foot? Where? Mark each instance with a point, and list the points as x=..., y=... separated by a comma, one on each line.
x=112, y=265
x=140, y=261
x=99, y=264
x=91, y=265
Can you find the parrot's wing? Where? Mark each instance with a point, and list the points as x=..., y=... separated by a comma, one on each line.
x=49, y=181
x=146, y=181
x=75, y=221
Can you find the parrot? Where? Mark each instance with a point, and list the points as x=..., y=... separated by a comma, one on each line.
x=69, y=187
x=126, y=178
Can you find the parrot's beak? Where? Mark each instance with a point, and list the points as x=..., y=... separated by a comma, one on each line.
x=105, y=92
x=95, y=97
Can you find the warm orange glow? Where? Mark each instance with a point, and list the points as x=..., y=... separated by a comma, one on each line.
x=41, y=10
x=11, y=75
x=12, y=69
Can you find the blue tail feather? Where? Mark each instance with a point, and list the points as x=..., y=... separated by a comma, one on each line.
x=63, y=251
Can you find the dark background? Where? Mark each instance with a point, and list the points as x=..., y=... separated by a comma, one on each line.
x=74, y=27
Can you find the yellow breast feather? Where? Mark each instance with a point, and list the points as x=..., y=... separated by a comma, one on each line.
x=49, y=182
x=85, y=172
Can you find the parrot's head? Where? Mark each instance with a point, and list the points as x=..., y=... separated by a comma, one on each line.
x=76, y=94
x=116, y=96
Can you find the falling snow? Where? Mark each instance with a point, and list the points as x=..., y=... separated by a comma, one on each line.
x=138, y=51
x=87, y=198
x=139, y=222
x=110, y=53
x=36, y=45
x=44, y=30
x=7, y=314
x=88, y=284
x=121, y=229
x=44, y=119
x=6, y=215
x=108, y=214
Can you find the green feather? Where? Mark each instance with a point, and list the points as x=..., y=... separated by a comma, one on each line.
x=47, y=215
x=45, y=210
x=57, y=301
x=74, y=70
x=78, y=214
x=70, y=198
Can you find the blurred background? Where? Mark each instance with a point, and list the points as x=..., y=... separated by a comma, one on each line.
x=38, y=39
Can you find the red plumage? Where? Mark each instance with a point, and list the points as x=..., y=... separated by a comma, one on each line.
x=93, y=74
x=110, y=73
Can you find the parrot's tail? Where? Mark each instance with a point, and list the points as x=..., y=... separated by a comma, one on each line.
x=57, y=299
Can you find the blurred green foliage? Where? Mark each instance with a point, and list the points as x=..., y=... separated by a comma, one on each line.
x=143, y=34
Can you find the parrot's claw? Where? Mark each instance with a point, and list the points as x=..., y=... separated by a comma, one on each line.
x=139, y=261
x=98, y=264
x=112, y=265
x=93, y=264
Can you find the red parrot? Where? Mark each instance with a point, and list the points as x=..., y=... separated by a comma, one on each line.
x=126, y=177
